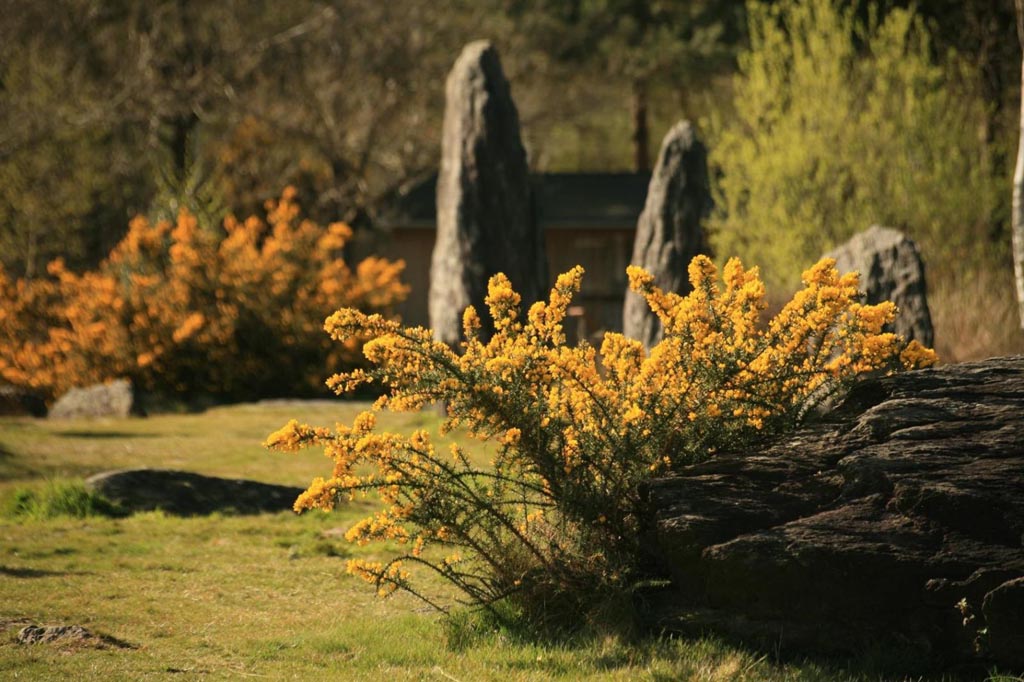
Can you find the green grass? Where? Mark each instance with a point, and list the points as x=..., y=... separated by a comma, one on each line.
x=223, y=441
x=260, y=597
x=55, y=499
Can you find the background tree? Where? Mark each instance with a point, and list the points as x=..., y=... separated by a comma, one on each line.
x=840, y=124
x=134, y=79
x=643, y=46
x=125, y=107
x=112, y=108
x=362, y=114
x=64, y=178
x=980, y=32
x=1018, y=182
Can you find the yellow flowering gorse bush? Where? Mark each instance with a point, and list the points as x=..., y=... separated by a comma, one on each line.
x=185, y=310
x=577, y=429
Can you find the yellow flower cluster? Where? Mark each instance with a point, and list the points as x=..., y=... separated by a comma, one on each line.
x=387, y=577
x=577, y=429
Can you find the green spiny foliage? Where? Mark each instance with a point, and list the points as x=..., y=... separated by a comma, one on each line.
x=840, y=125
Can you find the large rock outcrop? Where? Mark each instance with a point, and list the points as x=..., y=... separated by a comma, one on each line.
x=891, y=269
x=669, y=232
x=895, y=523
x=485, y=219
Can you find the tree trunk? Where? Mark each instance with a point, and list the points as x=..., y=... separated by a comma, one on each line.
x=179, y=140
x=641, y=135
x=1018, y=184
x=30, y=251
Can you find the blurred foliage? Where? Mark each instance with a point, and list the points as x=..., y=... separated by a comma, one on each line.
x=841, y=124
x=115, y=108
x=186, y=311
x=63, y=180
x=643, y=51
x=110, y=107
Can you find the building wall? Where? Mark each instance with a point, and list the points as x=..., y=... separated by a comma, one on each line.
x=604, y=254
x=414, y=246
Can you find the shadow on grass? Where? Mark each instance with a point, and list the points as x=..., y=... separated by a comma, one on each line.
x=12, y=572
x=11, y=467
x=103, y=434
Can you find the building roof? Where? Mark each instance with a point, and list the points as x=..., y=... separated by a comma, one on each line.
x=563, y=201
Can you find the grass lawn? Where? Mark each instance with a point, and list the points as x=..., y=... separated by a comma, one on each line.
x=260, y=597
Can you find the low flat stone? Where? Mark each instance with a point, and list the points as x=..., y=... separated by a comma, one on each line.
x=112, y=399
x=184, y=493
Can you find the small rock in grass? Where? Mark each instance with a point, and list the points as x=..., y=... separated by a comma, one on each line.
x=68, y=634
x=113, y=399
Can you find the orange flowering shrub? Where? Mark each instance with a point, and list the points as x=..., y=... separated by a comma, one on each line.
x=555, y=519
x=44, y=339
x=184, y=310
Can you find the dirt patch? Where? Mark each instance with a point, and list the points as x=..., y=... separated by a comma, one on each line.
x=13, y=623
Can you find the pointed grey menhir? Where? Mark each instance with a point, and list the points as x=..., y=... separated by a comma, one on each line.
x=670, y=232
x=485, y=219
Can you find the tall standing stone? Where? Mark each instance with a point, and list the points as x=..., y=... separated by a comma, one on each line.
x=485, y=220
x=891, y=269
x=669, y=232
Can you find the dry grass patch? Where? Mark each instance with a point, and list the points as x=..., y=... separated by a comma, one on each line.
x=975, y=315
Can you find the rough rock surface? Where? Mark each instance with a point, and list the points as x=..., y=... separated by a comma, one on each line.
x=485, y=219
x=891, y=269
x=1003, y=611
x=74, y=635
x=669, y=232
x=18, y=401
x=897, y=523
x=186, y=494
x=112, y=399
